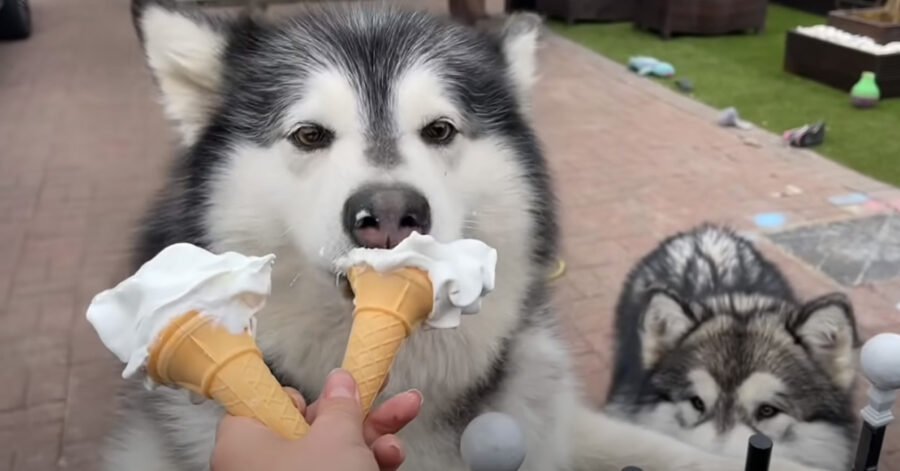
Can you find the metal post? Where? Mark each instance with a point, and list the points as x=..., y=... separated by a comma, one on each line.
x=880, y=361
x=759, y=453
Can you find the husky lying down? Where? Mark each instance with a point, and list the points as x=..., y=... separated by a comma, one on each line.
x=714, y=346
x=292, y=129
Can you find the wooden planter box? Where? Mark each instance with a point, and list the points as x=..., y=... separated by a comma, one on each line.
x=520, y=5
x=700, y=16
x=819, y=7
x=839, y=66
x=880, y=32
x=587, y=10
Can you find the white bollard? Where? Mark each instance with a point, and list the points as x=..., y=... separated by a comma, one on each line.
x=880, y=363
x=493, y=442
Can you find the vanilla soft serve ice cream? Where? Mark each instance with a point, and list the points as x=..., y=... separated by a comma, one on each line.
x=420, y=281
x=461, y=272
x=229, y=287
x=166, y=321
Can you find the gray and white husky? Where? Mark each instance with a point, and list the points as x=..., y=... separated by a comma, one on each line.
x=714, y=346
x=354, y=126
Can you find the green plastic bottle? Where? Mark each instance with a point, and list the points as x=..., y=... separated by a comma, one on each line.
x=865, y=94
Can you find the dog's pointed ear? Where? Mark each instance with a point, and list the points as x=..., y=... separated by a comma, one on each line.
x=184, y=51
x=520, y=35
x=662, y=324
x=827, y=328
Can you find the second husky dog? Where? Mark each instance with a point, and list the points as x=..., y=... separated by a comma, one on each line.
x=714, y=346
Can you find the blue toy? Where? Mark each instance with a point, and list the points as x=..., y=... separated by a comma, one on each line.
x=644, y=65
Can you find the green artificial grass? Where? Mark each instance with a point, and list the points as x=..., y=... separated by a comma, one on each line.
x=745, y=71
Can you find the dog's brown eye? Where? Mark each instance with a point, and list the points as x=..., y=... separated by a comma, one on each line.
x=312, y=137
x=439, y=132
x=698, y=404
x=766, y=411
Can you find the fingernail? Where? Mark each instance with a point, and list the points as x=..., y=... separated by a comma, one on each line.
x=341, y=385
x=396, y=449
x=418, y=395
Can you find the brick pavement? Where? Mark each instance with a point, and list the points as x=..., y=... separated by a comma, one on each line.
x=83, y=145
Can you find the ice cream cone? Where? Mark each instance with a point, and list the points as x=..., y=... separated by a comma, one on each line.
x=388, y=307
x=193, y=352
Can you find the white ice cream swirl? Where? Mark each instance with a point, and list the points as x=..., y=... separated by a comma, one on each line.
x=461, y=272
x=230, y=287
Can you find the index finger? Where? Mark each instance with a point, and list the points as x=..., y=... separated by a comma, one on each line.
x=311, y=411
x=339, y=414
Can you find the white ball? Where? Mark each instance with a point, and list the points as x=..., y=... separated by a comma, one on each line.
x=880, y=361
x=493, y=442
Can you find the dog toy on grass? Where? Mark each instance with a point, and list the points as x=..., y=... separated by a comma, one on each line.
x=644, y=66
x=685, y=85
x=729, y=117
x=808, y=135
x=865, y=93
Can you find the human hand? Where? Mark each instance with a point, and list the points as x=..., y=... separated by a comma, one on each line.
x=338, y=439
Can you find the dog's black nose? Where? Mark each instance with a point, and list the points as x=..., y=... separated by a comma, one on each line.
x=382, y=216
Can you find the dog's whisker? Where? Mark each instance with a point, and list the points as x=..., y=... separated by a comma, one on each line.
x=294, y=280
x=288, y=230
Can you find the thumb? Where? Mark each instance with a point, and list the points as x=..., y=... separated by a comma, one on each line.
x=339, y=413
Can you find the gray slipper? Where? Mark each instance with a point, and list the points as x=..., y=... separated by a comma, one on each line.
x=729, y=118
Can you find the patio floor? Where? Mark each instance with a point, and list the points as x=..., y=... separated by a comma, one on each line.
x=84, y=145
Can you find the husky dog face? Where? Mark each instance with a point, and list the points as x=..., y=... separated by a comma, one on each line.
x=723, y=351
x=348, y=126
x=739, y=364
x=352, y=127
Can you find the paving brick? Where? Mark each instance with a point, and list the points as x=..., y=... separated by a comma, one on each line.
x=83, y=455
x=565, y=292
x=588, y=282
x=591, y=315
x=36, y=458
x=15, y=381
x=92, y=398
x=86, y=345
x=33, y=416
x=595, y=383
x=35, y=448
x=47, y=376
x=26, y=347
x=588, y=253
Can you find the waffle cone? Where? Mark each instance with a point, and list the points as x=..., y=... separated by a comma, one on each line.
x=388, y=307
x=195, y=353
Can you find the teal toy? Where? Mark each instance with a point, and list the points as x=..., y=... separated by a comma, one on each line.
x=865, y=94
x=644, y=65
